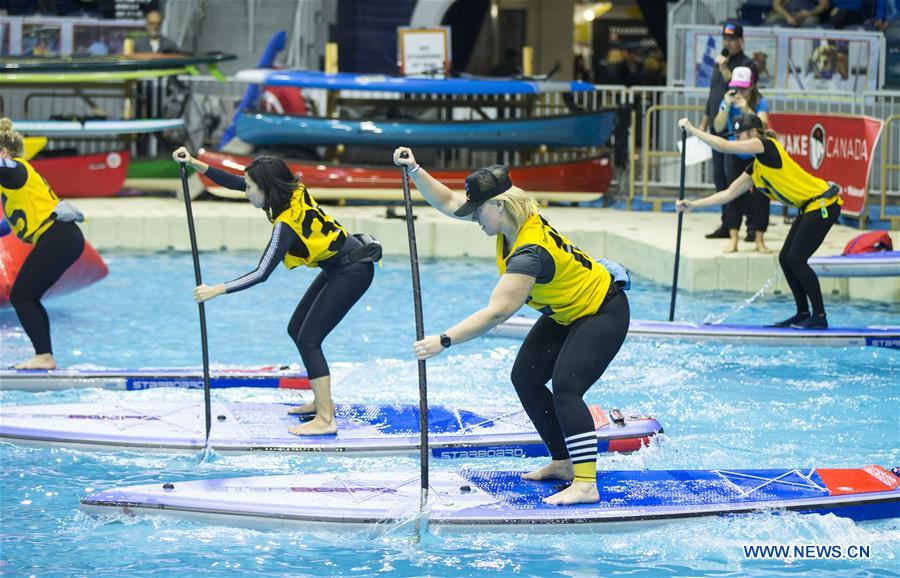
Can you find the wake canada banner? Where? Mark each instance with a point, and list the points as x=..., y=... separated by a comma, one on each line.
x=837, y=148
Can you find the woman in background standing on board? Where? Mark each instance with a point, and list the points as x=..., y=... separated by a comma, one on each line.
x=775, y=174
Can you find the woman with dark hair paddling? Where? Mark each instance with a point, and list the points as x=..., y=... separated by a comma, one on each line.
x=303, y=234
x=775, y=174
x=38, y=217
x=584, y=323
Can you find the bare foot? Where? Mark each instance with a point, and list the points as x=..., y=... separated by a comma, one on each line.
x=315, y=427
x=732, y=249
x=555, y=470
x=763, y=249
x=42, y=361
x=306, y=408
x=577, y=493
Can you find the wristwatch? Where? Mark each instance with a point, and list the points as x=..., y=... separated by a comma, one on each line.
x=446, y=341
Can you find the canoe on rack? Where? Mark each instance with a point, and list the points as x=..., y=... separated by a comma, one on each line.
x=587, y=129
x=573, y=181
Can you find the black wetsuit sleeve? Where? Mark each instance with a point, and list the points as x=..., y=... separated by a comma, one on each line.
x=226, y=179
x=282, y=239
x=12, y=174
x=769, y=157
x=532, y=260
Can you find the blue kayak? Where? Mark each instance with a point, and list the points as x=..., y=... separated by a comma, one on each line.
x=501, y=500
x=567, y=131
x=404, y=85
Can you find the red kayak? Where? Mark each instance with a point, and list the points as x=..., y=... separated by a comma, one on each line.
x=79, y=176
x=88, y=269
x=583, y=180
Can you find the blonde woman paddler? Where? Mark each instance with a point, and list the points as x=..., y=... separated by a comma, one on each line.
x=585, y=317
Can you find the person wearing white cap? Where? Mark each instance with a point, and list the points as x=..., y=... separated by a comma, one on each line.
x=732, y=56
x=743, y=97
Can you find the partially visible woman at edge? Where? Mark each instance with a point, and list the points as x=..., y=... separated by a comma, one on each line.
x=775, y=174
x=744, y=97
x=38, y=217
x=303, y=234
x=584, y=323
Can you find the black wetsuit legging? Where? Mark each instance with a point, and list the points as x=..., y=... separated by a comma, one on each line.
x=805, y=236
x=327, y=300
x=753, y=204
x=574, y=356
x=55, y=251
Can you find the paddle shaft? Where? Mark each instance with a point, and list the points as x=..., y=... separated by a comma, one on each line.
x=680, y=220
x=197, y=278
x=420, y=334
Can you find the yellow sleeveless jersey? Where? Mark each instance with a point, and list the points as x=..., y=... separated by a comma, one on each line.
x=790, y=185
x=321, y=236
x=579, y=284
x=29, y=209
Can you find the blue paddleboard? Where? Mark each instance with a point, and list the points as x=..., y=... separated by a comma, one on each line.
x=498, y=500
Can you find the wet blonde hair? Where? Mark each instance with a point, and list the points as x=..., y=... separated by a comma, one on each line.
x=517, y=204
x=9, y=138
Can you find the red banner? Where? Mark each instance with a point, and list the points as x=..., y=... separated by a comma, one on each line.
x=837, y=148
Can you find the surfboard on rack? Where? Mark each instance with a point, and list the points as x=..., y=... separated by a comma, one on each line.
x=498, y=500
x=879, y=264
x=263, y=427
x=518, y=326
x=270, y=376
x=96, y=128
x=112, y=63
x=407, y=85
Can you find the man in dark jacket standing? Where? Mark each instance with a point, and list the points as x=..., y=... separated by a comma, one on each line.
x=154, y=41
x=732, y=56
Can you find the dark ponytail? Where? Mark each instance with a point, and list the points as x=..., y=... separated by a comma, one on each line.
x=276, y=181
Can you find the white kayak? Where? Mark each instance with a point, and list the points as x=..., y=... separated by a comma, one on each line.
x=879, y=264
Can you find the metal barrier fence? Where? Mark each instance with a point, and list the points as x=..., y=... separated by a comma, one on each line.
x=645, y=150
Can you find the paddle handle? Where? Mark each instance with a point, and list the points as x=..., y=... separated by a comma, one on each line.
x=199, y=281
x=680, y=221
x=420, y=334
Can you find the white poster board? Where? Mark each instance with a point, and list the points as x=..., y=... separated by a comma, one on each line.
x=424, y=51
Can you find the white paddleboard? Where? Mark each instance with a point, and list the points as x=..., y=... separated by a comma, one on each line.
x=518, y=327
x=255, y=427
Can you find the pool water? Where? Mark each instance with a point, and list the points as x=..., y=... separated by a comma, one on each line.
x=723, y=406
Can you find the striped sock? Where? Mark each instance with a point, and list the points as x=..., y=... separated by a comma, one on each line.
x=583, y=453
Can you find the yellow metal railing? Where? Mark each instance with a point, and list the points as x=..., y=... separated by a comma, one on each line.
x=646, y=153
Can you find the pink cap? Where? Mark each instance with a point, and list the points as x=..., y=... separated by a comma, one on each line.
x=741, y=77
